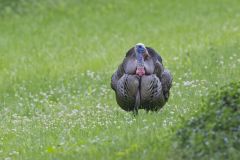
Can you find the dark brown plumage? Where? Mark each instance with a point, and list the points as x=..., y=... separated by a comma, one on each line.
x=134, y=91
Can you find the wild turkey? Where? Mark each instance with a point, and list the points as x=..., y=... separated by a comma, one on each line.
x=141, y=82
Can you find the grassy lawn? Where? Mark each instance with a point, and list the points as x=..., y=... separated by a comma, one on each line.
x=57, y=58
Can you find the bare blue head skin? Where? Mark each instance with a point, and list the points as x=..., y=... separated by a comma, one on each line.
x=140, y=50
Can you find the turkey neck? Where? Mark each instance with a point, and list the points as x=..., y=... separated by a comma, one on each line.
x=140, y=60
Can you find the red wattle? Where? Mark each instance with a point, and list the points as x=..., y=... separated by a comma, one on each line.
x=140, y=71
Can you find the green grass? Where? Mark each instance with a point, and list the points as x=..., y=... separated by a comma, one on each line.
x=57, y=57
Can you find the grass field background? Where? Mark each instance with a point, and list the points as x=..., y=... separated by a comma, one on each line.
x=57, y=58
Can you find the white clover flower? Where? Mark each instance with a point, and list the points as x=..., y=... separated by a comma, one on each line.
x=175, y=58
x=13, y=153
x=74, y=112
x=187, y=83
